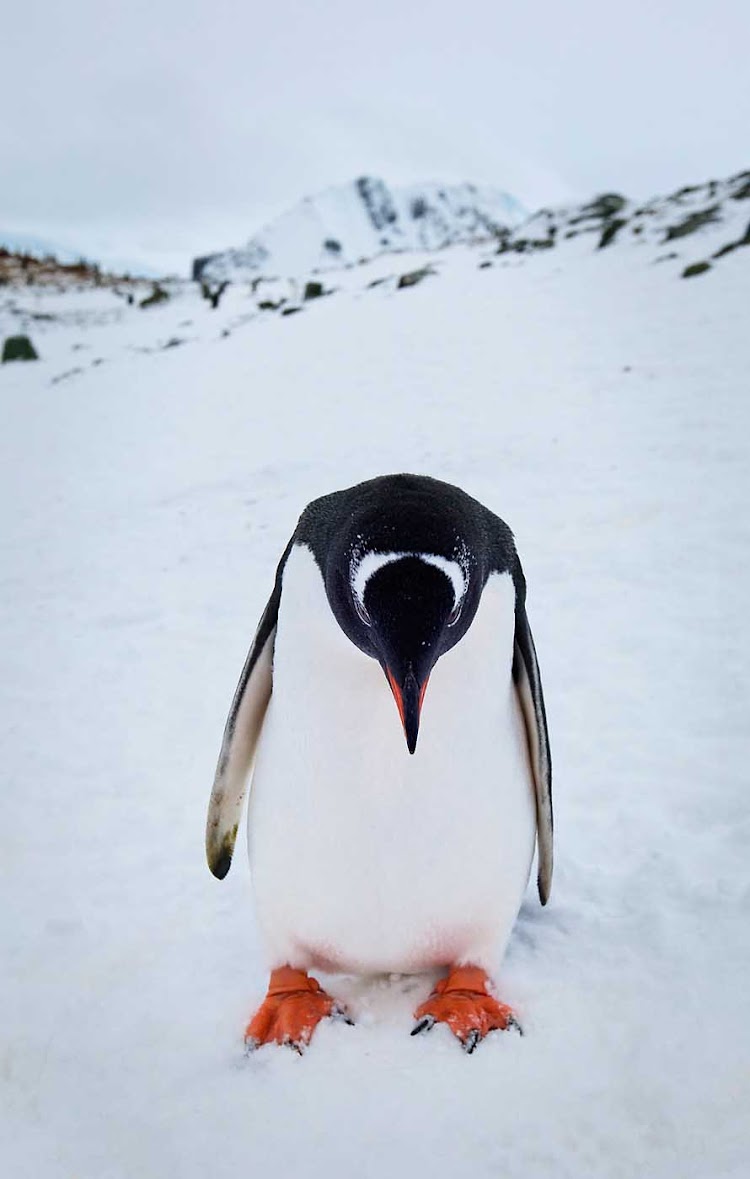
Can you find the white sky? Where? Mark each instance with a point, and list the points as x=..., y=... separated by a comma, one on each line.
x=156, y=131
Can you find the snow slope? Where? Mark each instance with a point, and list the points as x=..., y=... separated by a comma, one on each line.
x=350, y=222
x=599, y=403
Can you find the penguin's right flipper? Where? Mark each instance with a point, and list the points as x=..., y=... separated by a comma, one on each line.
x=528, y=683
x=241, y=735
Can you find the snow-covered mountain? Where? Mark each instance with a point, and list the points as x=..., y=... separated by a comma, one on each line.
x=356, y=222
x=688, y=233
x=352, y=222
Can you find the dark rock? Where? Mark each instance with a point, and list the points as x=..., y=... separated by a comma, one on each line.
x=485, y=265
x=71, y=372
x=686, y=190
x=601, y=208
x=332, y=246
x=742, y=241
x=213, y=294
x=200, y=264
x=158, y=295
x=529, y=245
x=377, y=200
x=269, y=305
x=692, y=222
x=290, y=310
x=608, y=204
x=696, y=268
x=18, y=348
x=743, y=192
x=313, y=290
x=412, y=277
x=610, y=231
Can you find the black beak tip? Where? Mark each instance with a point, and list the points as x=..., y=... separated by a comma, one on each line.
x=408, y=696
x=412, y=707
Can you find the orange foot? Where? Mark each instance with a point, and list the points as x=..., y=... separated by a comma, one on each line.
x=463, y=1001
x=291, y=1011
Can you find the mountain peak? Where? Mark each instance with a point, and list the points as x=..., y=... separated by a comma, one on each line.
x=351, y=222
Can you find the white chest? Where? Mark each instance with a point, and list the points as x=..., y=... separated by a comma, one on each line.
x=366, y=858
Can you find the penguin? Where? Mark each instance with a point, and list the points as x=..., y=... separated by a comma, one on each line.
x=387, y=839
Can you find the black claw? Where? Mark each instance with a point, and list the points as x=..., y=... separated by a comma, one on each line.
x=424, y=1025
x=513, y=1023
x=471, y=1042
x=297, y=1046
x=342, y=1016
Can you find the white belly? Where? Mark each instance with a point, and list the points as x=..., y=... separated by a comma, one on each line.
x=365, y=858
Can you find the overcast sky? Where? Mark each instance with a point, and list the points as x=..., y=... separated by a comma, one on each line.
x=158, y=130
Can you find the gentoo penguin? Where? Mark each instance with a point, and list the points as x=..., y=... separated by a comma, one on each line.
x=370, y=853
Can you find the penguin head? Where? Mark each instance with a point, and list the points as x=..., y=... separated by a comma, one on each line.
x=405, y=609
x=404, y=560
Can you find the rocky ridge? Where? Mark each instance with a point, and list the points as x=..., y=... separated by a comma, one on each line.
x=24, y=268
x=715, y=208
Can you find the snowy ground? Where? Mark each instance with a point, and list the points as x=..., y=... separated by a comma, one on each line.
x=599, y=404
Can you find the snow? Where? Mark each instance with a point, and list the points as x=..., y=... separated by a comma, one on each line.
x=598, y=403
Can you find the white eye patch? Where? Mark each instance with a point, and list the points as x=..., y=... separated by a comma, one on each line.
x=362, y=570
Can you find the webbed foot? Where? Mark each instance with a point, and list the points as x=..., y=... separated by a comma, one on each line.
x=292, y=1009
x=465, y=1002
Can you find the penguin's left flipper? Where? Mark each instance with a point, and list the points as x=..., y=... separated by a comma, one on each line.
x=528, y=685
x=465, y=1003
x=241, y=734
